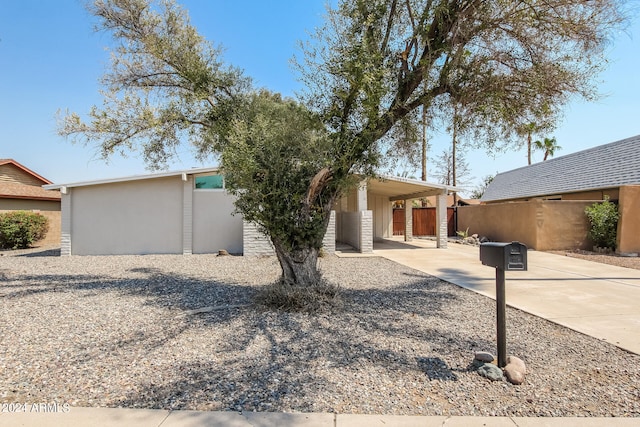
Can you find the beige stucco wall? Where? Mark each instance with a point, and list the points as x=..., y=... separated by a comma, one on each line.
x=502, y=222
x=135, y=217
x=562, y=225
x=541, y=225
x=629, y=222
x=214, y=226
x=611, y=193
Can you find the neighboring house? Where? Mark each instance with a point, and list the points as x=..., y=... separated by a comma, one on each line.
x=547, y=199
x=21, y=189
x=189, y=211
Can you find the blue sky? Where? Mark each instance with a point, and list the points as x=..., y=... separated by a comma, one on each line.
x=50, y=59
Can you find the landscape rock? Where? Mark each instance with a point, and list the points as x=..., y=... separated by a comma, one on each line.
x=516, y=361
x=515, y=370
x=484, y=356
x=223, y=252
x=491, y=371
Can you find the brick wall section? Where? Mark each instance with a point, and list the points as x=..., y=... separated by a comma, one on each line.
x=442, y=230
x=65, y=226
x=255, y=243
x=408, y=221
x=366, y=232
x=329, y=241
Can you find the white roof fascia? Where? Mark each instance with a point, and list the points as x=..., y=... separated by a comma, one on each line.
x=445, y=188
x=194, y=171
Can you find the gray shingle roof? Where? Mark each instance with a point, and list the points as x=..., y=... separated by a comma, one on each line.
x=605, y=166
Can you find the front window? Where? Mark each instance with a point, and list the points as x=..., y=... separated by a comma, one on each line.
x=209, y=182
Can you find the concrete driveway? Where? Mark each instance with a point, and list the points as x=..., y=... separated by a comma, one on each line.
x=599, y=300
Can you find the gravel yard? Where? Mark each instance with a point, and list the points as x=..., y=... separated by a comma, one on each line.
x=116, y=331
x=611, y=259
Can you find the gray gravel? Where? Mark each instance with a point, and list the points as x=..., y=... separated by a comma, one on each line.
x=114, y=331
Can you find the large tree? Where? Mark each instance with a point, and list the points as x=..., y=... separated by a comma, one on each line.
x=373, y=64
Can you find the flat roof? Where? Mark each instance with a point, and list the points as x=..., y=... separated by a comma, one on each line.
x=193, y=171
x=393, y=187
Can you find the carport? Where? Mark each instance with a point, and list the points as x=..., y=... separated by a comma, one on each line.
x=365, y=214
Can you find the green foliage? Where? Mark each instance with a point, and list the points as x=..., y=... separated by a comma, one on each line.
x=548, y=146
x=478, y=192
x=272, y=156
x=603, y=218
x=463, y=234
x=374, y=65
x=20, y=229
x=167, y=85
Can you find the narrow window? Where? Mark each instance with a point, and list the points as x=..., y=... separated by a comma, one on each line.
x=210, y=182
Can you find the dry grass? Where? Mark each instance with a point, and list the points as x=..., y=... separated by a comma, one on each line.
x=307, y=299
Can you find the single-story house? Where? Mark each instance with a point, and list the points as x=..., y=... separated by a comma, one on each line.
x=545, y=202
x=21, y=190
x=191, y=212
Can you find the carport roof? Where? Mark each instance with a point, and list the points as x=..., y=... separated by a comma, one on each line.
x=397, y=188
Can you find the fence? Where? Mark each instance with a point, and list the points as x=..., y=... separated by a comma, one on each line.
x=424, y=221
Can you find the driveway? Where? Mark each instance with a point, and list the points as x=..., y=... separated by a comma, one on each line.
x=596, y=299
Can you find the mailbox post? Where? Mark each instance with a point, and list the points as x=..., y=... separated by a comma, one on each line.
x=504, y=257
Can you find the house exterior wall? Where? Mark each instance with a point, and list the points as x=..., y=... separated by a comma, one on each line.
x=349, y=228
x=29, y=205
x=214, y=226
x=134, y=217
x=541, y=225
x=628, y=224
x=382, y=216
x=11, y=173
x=50, y=209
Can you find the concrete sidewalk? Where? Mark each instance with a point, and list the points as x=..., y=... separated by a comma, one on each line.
x=599, y=300
x=104, y=417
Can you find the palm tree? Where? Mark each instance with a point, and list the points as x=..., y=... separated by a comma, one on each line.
x=548, y=145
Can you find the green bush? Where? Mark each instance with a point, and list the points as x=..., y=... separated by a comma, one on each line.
x=603, y=218
x=20, y=229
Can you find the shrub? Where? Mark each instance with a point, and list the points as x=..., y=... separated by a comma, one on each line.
x=20, y=229
x=603, y=218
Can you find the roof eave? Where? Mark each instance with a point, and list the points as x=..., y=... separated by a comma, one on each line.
x=194, y=171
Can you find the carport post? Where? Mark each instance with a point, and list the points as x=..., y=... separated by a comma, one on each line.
x=501, y=318
x=408, y=220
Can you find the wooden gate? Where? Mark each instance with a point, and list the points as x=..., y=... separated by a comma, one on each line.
x=424, y=222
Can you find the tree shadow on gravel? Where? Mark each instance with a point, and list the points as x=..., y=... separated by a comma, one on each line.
x=265, y=360
x=41, y=253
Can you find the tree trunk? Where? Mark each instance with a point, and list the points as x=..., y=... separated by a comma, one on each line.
x=529, y=147
x=299, y=266
x=424, y=143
